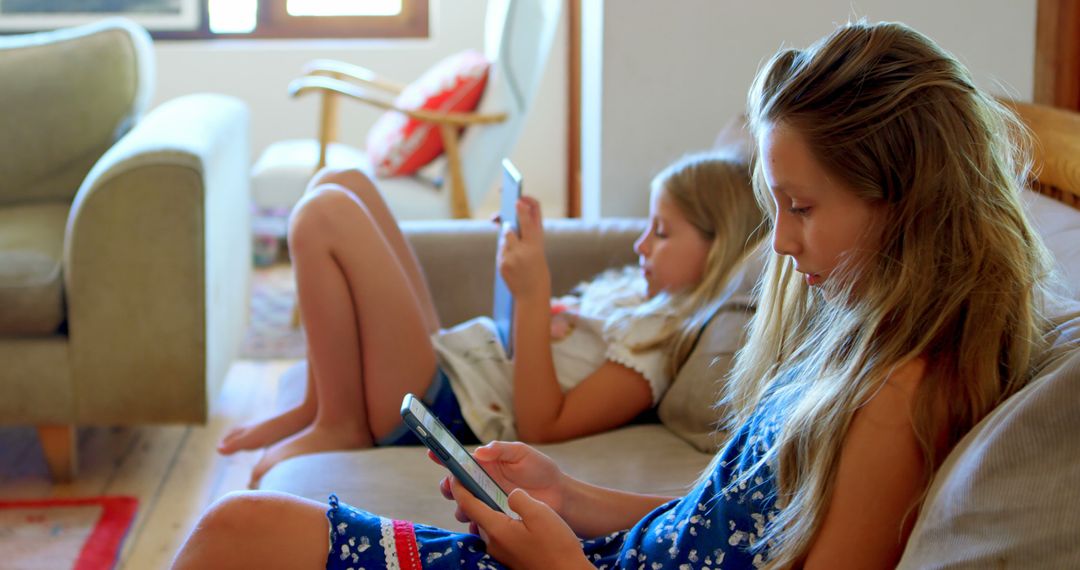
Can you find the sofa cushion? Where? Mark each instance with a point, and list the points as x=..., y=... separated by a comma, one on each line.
x=31, y=282
x=1059, y=226
x=1007, y=496
x=689, y=407
x=402, y=483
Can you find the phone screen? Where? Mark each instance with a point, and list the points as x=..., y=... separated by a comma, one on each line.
x=457, y=455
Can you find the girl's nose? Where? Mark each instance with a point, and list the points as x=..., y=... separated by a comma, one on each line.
x=641, y=245
x=783, y=242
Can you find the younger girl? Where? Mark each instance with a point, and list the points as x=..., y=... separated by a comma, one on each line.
x=608, y=355
x=900, y=307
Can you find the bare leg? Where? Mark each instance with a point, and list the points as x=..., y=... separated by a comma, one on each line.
x=363, y=188
x=258, y=530
x=276, y=428
x=368, y=337
x=271, y=430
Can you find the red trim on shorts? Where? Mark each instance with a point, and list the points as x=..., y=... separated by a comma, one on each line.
x=405, y=541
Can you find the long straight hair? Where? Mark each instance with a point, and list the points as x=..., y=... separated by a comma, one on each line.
x=954, y=279
x=714, y=192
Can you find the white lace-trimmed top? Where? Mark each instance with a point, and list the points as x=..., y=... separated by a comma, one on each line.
x=602, y=325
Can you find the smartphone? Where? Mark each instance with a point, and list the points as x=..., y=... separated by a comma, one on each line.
x=503, y=307
x=452, y=454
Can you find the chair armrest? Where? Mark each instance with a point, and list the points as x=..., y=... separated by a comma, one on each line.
x=156, y=264
x=308, y=84
x=347, y=71
x=458, y=257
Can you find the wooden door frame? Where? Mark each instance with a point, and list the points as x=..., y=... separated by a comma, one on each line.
x=573, y=118
x=1057, y=54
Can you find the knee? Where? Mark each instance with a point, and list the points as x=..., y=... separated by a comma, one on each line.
x=321, y=213
x=353, y=179
x=234, y=513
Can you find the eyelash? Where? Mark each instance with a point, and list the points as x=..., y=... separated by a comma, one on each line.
x=800, y=211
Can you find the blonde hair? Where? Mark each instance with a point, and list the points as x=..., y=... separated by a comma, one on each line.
x=714, y=192
x=954, y=278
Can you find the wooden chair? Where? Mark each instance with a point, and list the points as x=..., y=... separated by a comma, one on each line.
x=518, y=37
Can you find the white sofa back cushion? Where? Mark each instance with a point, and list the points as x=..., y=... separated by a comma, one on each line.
x=1008, y=496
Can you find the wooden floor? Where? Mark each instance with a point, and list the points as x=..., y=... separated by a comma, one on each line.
x=173, y=470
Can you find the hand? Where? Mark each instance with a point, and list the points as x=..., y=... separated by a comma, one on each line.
x=540, y=539
x=515, y=465
x=521, y=259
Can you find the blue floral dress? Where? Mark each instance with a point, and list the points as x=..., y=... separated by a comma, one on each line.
x=716, y=526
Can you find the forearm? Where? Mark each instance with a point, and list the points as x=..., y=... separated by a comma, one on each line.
x=538, y=399
x=593, y=511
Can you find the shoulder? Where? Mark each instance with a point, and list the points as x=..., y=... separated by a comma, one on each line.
x=893, y=402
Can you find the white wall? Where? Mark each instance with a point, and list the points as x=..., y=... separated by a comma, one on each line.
x=672, y=73
x=258, y=71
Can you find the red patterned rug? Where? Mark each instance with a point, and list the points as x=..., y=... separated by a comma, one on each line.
x=81, y=534
x=270, y=334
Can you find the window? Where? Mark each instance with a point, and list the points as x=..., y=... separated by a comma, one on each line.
x=317, y=18
x=199, y=19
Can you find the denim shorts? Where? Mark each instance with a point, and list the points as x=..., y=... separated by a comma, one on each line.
x=442, y=402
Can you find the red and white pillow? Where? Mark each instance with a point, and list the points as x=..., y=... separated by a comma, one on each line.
x=398, y=145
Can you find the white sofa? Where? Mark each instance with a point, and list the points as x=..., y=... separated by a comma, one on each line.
x=1006, y=498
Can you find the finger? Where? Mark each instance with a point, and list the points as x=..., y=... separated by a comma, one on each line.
x=526, y=220
x=475, y=509
x=444, y=488
x=525, y=505
x=431, y=455
x=510, y=238
x=502, y=451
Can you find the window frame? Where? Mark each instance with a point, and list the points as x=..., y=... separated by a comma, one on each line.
x=274, y=22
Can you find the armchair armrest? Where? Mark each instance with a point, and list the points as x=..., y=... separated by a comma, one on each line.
x=458, y=258
x=341, y=70
x=307, y=84
x=156, y=264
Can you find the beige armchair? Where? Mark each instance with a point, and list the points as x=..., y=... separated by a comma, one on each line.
x=124, y=242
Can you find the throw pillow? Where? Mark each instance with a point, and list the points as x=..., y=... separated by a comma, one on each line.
x=399, y=145
x=1006, y=497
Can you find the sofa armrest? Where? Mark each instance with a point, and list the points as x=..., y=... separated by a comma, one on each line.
x=458, y=258
x=157, y=262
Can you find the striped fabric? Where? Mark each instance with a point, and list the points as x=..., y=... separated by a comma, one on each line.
x=1009, y=494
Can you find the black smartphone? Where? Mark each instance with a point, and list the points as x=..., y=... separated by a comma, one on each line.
x=503, y=304
x=453, y=455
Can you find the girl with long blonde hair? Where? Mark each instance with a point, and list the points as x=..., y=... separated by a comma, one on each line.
x=899, y=307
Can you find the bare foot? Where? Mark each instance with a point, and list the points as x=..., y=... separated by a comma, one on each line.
x=268, y=431
x=312, y=439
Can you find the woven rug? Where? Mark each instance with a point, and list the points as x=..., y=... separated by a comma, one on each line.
x=270, y=334
x=82, y=534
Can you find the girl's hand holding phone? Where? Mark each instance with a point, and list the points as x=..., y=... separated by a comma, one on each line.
x=539, y=539
x=521, y=259
x=515, y=465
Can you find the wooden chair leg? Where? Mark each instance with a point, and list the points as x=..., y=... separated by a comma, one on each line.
x=61, y=451
x=295, y=320
x=459, y=198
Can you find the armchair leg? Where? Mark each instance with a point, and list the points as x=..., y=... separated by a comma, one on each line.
x=61, y=451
